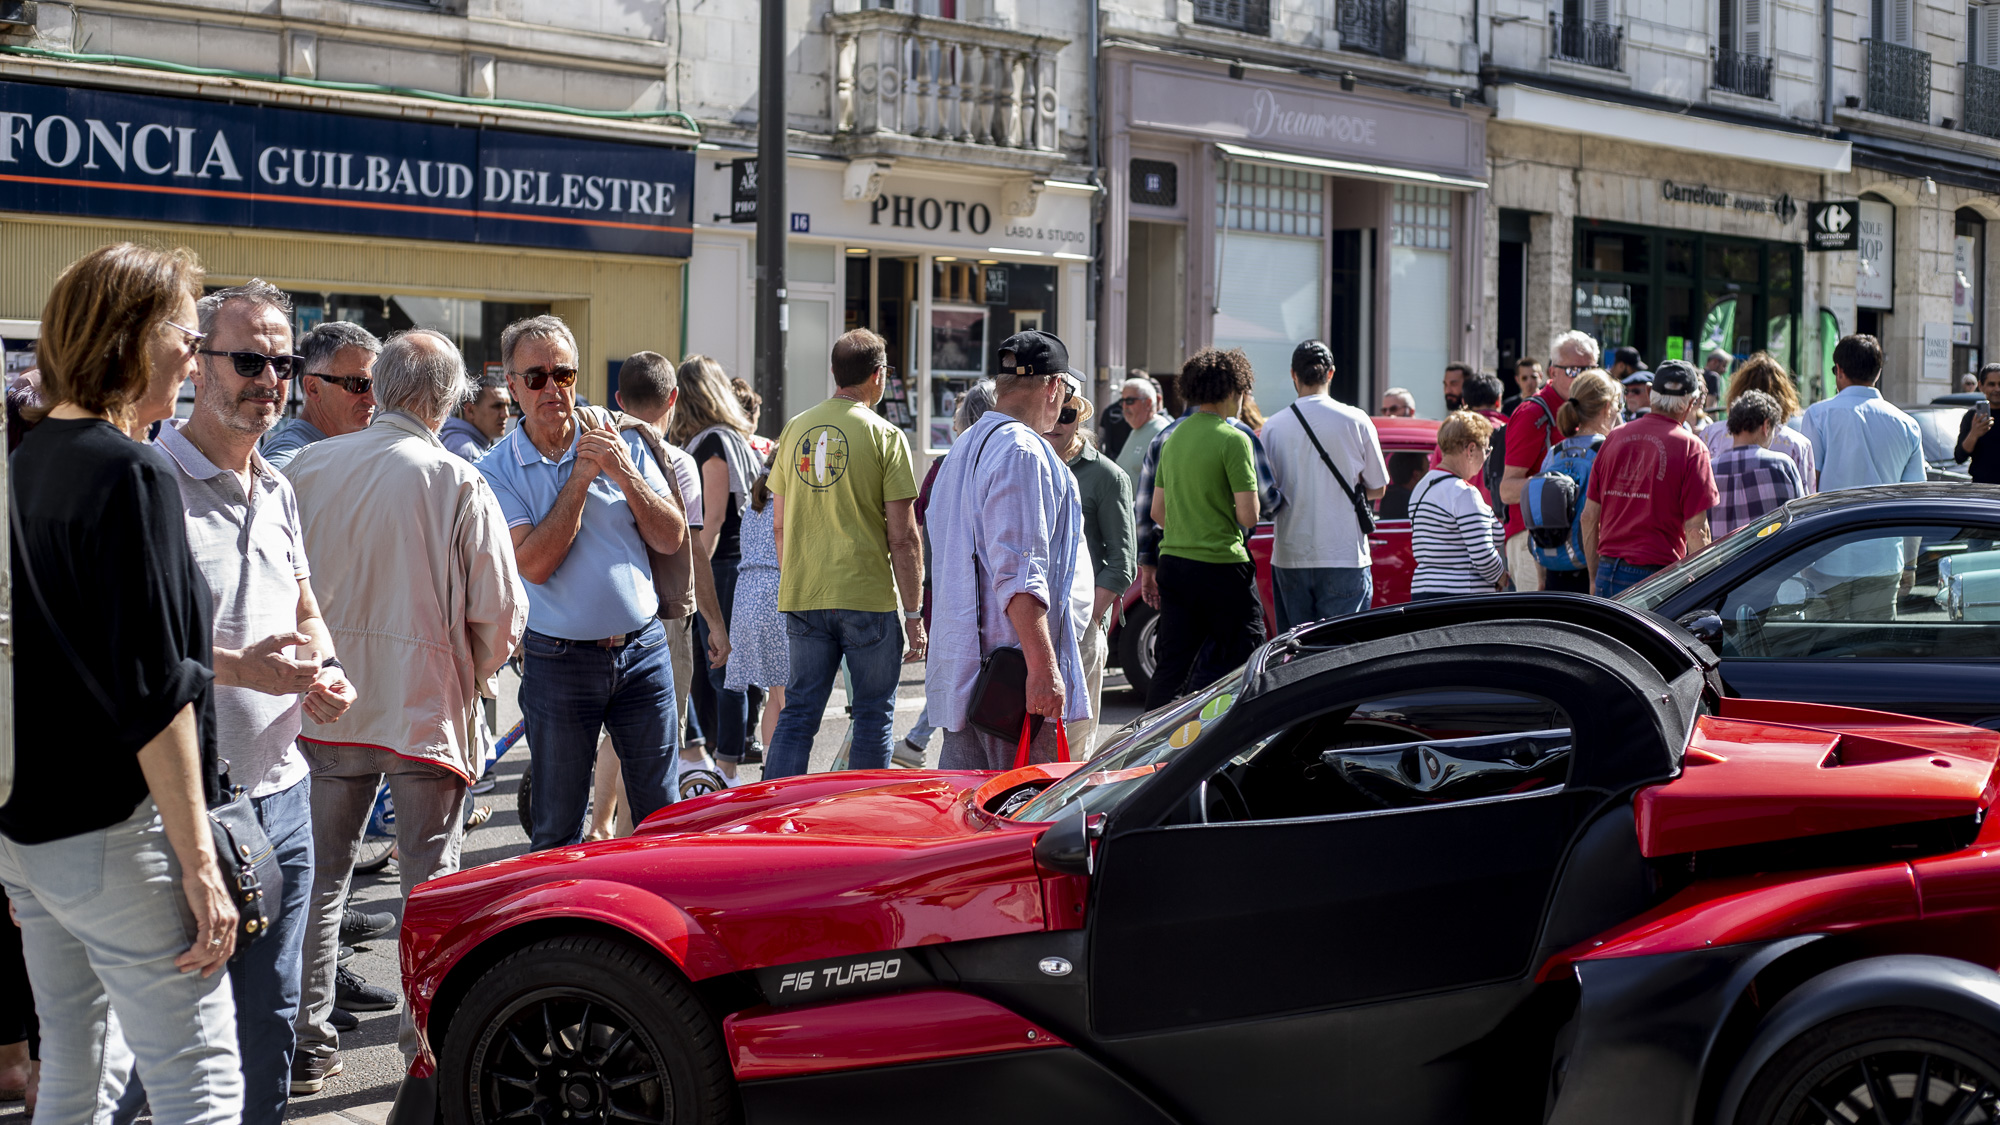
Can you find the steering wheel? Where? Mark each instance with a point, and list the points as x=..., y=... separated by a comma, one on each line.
x=1221, y=789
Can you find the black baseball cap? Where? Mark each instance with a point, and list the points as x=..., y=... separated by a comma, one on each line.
x=1312, y=354
x=1676, y=378
x=1035, y=353
x=1629, y=357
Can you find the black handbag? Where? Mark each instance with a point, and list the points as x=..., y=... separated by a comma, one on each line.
x=1362, y=515
x=243, y=851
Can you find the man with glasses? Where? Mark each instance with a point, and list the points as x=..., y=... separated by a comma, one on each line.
x=1398, y=402
x=584, y=503
x=1140, y=400
x=1529, y=435
x=274, y=655
x=338, y=390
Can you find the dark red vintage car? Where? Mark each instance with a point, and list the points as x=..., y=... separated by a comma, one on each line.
x=1507, y=859
x=1132, y=634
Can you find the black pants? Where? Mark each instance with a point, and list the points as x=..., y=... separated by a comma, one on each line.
x=1203, y=604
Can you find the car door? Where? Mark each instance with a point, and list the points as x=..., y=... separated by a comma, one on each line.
x=1899, y=618
x=1337, y=948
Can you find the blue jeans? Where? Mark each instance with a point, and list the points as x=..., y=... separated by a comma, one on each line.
x=267, y=979
x=819, y=638
x=102, y=918
x=728, y=712
x=1319, y=593
x=571, y=690
x=1615, y=576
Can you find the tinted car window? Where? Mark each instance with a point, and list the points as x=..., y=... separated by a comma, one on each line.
x=1893, y=593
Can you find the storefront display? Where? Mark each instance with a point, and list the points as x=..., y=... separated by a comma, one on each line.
x=1645, y=287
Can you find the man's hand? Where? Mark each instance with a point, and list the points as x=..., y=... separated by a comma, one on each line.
x=331, y=695
x=1980, y=425
x=718, y=645
x=919, y=644
x=1045, y=691
x=1149, y=585
x=263, y=667
x=612, y=456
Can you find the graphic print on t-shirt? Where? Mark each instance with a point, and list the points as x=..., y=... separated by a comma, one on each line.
x=821, y=458
x=1637, y=472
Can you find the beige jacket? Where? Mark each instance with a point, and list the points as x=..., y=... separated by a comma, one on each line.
x=415, y=574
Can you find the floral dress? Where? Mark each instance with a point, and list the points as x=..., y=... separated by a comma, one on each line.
x=758, y=651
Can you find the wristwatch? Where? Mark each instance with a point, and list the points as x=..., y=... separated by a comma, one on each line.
x=333, y=662
x=913, y=615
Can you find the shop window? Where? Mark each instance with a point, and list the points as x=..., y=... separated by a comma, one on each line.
x=1680, y=256
x=473, y=325
x=1728, y=262
x=1968, y=294
x=975, y=304
x=1420, y=327
x=1617, y=252
x=1257, y=197
x=1270, y=273
x=1421, y=217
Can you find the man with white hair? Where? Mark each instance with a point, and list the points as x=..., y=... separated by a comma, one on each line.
x=1398, y=402
x=426, y=603
x=1140, y=400
x=1530, y=433
x=1650, y=490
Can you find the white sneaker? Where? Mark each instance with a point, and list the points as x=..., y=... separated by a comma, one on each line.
x=908, y=754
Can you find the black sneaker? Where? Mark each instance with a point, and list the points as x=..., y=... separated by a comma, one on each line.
x=343, y=1020
x=753, y=754
x=344, y=955
x=356, y=927
x=357, y=995
x=309, y=1075
x=485, y=784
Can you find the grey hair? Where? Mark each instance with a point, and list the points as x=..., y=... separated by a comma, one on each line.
x=1402, y=393
x=1670, y=404
x=255, y=290
x=973, y=405
x=425, y=382
x=330, y=336
x=1145, y=387
x=1578, y=339
x=544, y=327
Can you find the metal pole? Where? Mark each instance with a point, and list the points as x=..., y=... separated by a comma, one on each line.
x=771, y=219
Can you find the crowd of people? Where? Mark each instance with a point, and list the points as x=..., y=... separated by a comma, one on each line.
x=295, y=612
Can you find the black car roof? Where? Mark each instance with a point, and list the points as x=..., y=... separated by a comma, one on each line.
x=1945, y=500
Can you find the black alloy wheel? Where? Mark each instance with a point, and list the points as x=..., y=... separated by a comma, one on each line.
x=583, y=1031
x=1882, y=1067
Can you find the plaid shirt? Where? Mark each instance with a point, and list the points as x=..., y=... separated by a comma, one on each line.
x=1753, y=481
x=1269, y=499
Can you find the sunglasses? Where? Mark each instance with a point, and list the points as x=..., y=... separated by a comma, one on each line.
x=1129, y=400
x=194, y=338
x=1572, y=372
x=352, y=384
x=537, y=378
x=251, y=364
x=1067, y=416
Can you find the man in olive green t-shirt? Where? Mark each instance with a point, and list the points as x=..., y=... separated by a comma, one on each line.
x=1204, y=500
x=847, y=548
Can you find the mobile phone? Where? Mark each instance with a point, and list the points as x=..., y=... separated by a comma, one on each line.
x=1983, y=408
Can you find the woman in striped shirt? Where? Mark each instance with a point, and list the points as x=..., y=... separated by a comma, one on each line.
x=1453, y=534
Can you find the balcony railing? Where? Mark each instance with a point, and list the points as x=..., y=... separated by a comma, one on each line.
x=942, y=80
x=1899, y=80
x=1982, y=100
x=1373, y=27
x=1738, y=73
x=1585, y=42
x=1250, y=16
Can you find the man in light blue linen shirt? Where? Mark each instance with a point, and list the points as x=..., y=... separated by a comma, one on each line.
x=1006, y=526
x=584, y=503
x=1859, y=439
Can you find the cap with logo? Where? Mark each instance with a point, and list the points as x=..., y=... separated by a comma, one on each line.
x=1035, y=353
x=1676, y=378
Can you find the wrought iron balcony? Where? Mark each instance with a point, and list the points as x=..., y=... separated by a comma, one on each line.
x=1372, y=27
x=1982, y=101
x=1585, y=42
x=1738, y=73
x=1252, y=17
x=942, y=80
x=1899, y=80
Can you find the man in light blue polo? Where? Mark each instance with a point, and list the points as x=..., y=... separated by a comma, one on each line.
x=1860, y=439
x=583, y=504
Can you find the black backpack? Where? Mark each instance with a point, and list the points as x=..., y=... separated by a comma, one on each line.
x=1496, y=459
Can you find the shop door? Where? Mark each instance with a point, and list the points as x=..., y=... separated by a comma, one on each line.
x=1352, y=317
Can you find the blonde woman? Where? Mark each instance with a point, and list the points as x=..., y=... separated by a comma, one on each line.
x=710, y=424
x=1453, y=535
x=1762, y=372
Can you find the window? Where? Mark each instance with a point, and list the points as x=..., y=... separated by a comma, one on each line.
x=1251, y=16
x=1893, y=20
x=1420, y=292
x=1741, y=65
x=1270, y=243
x=1968, y=290
x=1900, y=593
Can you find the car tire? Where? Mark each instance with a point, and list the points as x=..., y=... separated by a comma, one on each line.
x=1840, y=1067
x=524, y=802
x=1138, y=650
x=567, y=1023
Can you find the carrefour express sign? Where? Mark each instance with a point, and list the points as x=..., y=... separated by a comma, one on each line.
x=73, y=151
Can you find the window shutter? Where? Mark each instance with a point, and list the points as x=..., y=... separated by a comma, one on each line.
x=1752, y=39
x=1986, y=45
x=1900, y=20
x=1600, y=11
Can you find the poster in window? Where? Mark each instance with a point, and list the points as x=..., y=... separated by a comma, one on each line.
x=958, y=341
x=1965, y=279
x=1874, y=281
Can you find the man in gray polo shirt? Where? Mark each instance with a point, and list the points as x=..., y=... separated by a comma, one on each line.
x=273, y=653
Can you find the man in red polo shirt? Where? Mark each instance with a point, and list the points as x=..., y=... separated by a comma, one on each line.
x=1650, y=491
x=1530, y=434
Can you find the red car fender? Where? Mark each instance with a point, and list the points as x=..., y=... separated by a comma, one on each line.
x=904, y=1027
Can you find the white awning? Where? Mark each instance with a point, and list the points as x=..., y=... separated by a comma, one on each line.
x=1350, y=168
x=1526, y=105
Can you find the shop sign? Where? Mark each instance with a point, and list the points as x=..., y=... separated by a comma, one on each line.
x=1833, y=224
x=1781, y=207
x=1937, y=352
x=930, y=213
x=1874, y=275
x=743, y=190
x=74, y=151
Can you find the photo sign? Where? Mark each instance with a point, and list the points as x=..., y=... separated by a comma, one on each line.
x=74, y=151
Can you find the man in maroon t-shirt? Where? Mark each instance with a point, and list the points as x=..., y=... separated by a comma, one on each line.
x=1651, y=488
x=1530, y=434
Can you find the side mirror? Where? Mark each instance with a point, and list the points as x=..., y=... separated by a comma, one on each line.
x=1705, y=625
x=1065, y=849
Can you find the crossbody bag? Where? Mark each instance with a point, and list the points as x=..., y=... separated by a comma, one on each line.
x=1362, y=516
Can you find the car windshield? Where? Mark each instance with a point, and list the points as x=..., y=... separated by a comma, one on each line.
x=1940, y=429
x=1135, y=752
x=1654, y=591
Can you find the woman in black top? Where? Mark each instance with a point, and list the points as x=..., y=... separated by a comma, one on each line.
x=105, y=847
x=709, y=423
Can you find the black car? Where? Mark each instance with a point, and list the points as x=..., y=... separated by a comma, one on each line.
x=1886, y=598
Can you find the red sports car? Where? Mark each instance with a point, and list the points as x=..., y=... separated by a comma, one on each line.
x=1504, y=859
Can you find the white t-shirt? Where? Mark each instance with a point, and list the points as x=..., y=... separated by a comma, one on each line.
x=1316, y=527
x=687, y=474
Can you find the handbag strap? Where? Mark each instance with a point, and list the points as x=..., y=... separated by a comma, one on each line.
x=35, y=588
x=1028, y=725
x=1314, y=438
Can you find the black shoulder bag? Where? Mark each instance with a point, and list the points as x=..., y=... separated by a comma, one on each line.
x=1362, y=515
x=248, y=861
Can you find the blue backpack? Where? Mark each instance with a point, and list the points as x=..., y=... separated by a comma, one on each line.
x=1552, y=501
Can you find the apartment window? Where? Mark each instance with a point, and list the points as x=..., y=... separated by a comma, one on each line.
x=1270, y=244
x=1981, y=111
x=1899, y=75
x=1372, y=27
x=1251, y=16
x=1741, y=64
x=1581, y=31
x=1894, y=21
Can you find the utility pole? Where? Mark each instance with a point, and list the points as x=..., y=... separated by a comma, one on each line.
x=771, y=219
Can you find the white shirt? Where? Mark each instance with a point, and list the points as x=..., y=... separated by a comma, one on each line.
x=688, y=475
x=1316, y=527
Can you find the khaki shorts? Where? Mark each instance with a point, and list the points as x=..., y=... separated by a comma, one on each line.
x=1521, y=564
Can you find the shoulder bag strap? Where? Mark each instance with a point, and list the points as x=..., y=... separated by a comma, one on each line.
x=1314, y=438
x=35, y=588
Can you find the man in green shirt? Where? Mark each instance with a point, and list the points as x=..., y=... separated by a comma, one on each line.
x=1205, y=500
x=848, y=547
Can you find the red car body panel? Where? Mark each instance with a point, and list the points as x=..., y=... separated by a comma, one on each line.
x=904, y=1027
